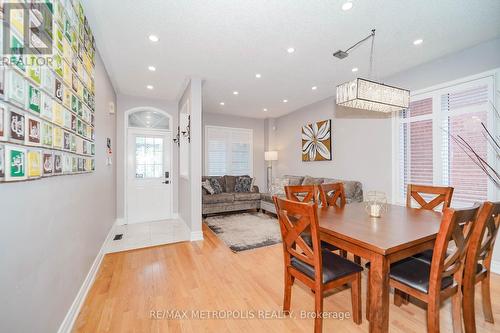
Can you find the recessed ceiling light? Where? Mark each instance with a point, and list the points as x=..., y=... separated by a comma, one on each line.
x=418, y=41
x=235, y=93
x=154, y=38
x=290, y=50
x=152, y=68
x=355, y=69
x=222, y=103
x=314, y=88
x=258, y=76
x=285, y=101
x=265, y=110
x=347, y=5
x=150, y=87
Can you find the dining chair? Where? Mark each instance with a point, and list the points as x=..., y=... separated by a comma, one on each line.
x=440, y=195
x=318, y=269
x=434, y=282
x=307, y=193
x=333, y=195
x=478, y=267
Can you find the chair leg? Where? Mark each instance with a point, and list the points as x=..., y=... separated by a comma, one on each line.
x=318, y=307
x=469, y=311
x=456, y=312
x=287, y=298
x=367, y=314
x=486, y=296
x=398, y=297
x=356, y=300
x=343, y=253
x=433, y=317
x=357, y=260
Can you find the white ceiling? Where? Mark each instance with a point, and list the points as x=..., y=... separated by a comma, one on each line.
x=226, y=42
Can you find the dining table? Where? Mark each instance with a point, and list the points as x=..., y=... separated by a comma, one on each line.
x=398, y=233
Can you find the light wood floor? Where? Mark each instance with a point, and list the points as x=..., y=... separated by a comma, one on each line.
x=207, y=276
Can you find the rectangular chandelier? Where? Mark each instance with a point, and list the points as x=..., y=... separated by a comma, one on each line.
x=372, y=96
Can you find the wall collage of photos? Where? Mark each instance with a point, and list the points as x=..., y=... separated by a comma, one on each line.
x=47, y=112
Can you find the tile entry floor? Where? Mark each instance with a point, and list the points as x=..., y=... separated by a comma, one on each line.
x=141, y=235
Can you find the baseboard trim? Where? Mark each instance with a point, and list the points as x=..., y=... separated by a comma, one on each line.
x=196, y=236
x=74, y=310
x=495, y=267
x=120, y=221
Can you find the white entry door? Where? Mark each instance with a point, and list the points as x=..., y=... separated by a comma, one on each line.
x=149, y=175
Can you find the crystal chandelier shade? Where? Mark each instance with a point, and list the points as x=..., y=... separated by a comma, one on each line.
x=372, y=96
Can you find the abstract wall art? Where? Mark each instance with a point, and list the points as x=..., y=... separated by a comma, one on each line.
x=317, y=141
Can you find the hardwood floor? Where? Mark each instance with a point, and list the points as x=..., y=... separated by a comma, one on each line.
x=207, y=276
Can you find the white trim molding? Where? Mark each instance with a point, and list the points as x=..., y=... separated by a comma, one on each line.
x=196, y=236
x=70, y=318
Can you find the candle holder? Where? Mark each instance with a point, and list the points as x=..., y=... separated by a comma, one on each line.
x=376, y=203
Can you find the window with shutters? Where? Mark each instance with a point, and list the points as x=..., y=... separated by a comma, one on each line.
x=427, y=153
x=228, y=151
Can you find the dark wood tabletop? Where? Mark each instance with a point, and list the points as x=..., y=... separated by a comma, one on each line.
x=398, y=228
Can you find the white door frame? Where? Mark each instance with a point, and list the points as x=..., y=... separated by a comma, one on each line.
x=125, y=164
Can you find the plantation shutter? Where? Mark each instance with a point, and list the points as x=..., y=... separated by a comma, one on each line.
x=228, y=151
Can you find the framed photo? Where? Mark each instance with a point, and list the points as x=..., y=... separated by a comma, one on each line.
x=57, y=114
x=2, y=78
x=67, y=98
x=47, y=106
x=34, y=99
x=58, y=164
x=85, y=147
x=2, y=162
x=74, y=104
x=58, y=65
x=17, y=126
x=58, y=90
x=74, y=164
x=57, y=139
x=67, y=164
x=48, y=81
x=3, y=123
x=81, y=164
x=34, y=164
x=73, y=143
x=15, y=166
x=73, y=123
x=67, y=119
x=34, y=73
x=16, y=88
x=67, y=141
x=47, y=130
x=33, y=131
x=48, y=164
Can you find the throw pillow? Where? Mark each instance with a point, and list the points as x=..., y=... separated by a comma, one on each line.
x=206, y=185
x=308, y=180
x=243, y=184
x=217, y=187
x=278, y=186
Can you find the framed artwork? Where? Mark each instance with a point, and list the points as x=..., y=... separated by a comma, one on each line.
x=58, y=164
x=3, y=122
x=16, y=88
x=34, y=73
x=81, y=164
x=34, y=99
x=58, y=65
x=58, y=91
x=17, y=127
x=73, y=123
x=67, y=166
x=67, y=74
x=2, y=162
x=47, y=134
x=92, y=164
x=74, y=104
x=57, y=114
x=317, y=141
x=88, y=165
x=74, y=164
x=67, y=119
x=48, y=164
x=57, y=139
x=85, y=148
x=2, y=78
x=33, y=131
x=48, y=81
x=79, y=125
x=34, y=164
x=67, y=98
x=15, y=166
x=46, y=107
x=73, y=143
x=66, y=141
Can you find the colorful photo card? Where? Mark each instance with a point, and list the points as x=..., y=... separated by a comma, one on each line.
x=15, y=158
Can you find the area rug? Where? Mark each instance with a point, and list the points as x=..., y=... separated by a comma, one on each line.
x=245, y=231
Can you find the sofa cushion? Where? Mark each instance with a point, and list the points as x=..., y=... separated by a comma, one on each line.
x=278, y=186
x=218, y=198
x=243, y=184
x=249, y=196
x=230, y=183
x=268, y=197
x=216, y=185
x=353, y=190
x=208, y=189
x=308, y=180
x=294, y=180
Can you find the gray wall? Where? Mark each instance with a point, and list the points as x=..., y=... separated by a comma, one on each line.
x=52, y=230
x=126, y=103
x=257, y=125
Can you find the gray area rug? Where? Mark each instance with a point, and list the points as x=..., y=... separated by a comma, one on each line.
x=245, y=231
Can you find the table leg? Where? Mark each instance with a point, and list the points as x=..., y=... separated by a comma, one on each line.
x=379, y=294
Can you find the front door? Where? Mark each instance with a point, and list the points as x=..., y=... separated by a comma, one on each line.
x=149, y=185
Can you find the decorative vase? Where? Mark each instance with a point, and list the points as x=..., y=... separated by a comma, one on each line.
x=376, y=203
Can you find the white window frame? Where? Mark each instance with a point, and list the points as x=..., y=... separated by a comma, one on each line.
x=437, y=117
x=225, y=128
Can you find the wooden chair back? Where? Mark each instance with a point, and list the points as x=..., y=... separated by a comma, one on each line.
x=295, y=218
x=302, y=193
x=442, y=195
x=332, y=195
x=483, y=239
x=451, y=245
